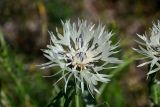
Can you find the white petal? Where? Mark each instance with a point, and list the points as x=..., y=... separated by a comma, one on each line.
x=145, y=63
x=67, y=82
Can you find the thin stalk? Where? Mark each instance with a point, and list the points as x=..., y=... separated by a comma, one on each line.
x=156, y=95
x=151, y=82
x=77, y=98
x=151, y=79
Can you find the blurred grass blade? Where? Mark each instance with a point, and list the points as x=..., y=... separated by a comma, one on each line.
x=2, y=42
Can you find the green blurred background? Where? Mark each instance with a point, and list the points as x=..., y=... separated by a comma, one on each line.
x=23, y=32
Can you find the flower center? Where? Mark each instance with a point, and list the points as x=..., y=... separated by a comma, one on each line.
x=78, y=61
x=79, y=57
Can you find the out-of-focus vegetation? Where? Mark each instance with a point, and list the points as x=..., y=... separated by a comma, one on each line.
x=23, y=32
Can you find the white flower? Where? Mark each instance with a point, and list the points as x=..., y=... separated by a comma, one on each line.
x=79, y=51
x=150, y=48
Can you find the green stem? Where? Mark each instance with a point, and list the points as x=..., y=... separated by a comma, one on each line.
x=151, y=83
x=77, y=100
x=151, y=79
x=156, y=95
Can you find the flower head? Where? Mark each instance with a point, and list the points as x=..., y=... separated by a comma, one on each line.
x=150, y=48
x=78, y=52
